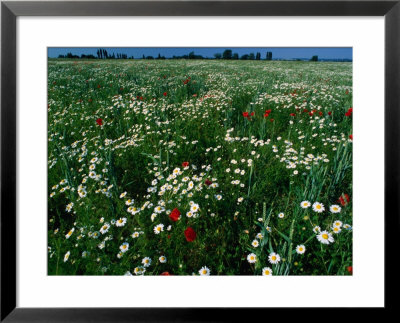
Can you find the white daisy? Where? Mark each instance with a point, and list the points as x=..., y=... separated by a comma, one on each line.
x=124, y=247
x=335, y=208
x=300, y=249
x=66, y=256
x=129, y=202
x=158, y=228
x=146, y=261
x=162, y=259
x=305, y=204
x=139, y=270
x=266, y=271
x=274, y=258
x=281, y=215
x=195, y=207
x=121, y=222
x=69, y=233
x=255, y=243
x=252, y=258
x=336, y=230
x=337, y=223
x=347, y=226
x=318, y=207
x=105, y=228
x=317, y=229
x=325, y=237
x=204, y=271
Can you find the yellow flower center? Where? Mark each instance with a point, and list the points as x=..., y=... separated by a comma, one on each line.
x=325, y=236
x=318, y=206
x=273, y=258
x=204, y=271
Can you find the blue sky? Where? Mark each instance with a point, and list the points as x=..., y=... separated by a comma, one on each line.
x=277, y=52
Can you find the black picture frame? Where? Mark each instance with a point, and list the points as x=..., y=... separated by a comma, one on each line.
x=10, y=10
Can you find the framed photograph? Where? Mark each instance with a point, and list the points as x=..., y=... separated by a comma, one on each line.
x=144, y=139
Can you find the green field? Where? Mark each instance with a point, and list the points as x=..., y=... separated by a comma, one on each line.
x=197, y=167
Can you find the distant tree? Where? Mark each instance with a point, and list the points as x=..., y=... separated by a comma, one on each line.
x=149, y=57
x=269, y=56
x=61, y=56
x=244, y=57
x=191, y=55
x=235, y=56
x=217, y=55
x=251, y=56
x=314, y=58
x=258, y=56
x=70, y=55
x=227, y=54
x=143, y=57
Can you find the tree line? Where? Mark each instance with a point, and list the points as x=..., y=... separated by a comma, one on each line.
x=227, y=54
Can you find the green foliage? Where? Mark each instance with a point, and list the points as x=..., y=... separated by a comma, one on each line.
x=259, y=137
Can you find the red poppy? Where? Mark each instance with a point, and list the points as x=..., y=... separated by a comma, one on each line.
x=268, y=111
x=98, y=86
x=175, y=215
x=185, y=164
x=344, y=199
x=245, y=114
x=165, y=273
x=99, y=121
x=252, y=114
x=347, y=91
x=293, y=114
x=165, y=93
x=349, y=269
x=311, y=113
x=349, y=112
x=330, y=112
x=351, y=137
x=266, y=115
x=272, y=120
x=190, y=234
x=208, y=182
x=305, y=110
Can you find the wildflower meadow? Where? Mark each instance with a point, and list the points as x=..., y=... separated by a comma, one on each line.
x=199, y=167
